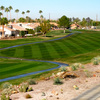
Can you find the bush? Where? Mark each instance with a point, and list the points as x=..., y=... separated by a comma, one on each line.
x=31, y=82
x=24, y=87
x=28, y=96
x=31, y=31
x=96, y=60
x=22, y=33
x=57, y=81
x=63, y=69
x=3, y=97
x=30, y=89
x=88, y=73
x=6, y=85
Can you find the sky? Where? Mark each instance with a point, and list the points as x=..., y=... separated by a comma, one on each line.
x=56, y=8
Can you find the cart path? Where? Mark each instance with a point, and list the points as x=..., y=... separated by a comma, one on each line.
x=37, y=72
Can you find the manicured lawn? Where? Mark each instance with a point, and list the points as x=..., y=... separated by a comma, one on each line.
x=10, y=67
x=50, y=35
x=79, y=47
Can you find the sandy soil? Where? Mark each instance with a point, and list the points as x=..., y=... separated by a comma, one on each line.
x=69, y=92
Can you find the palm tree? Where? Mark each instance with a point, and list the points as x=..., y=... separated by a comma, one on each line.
x=28, y=16
x=2, y=8
x=3, y=21
x=7, y=10
x=10, y=8
x=17, y=11
x=23, y=13
x=1, y=14
x=40, y=11
x=27, y=11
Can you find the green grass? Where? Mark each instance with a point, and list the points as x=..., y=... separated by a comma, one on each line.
x=78, y=45
x=10, y=68
x=50, y=35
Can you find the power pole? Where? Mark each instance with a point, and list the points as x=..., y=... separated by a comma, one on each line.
x=96, y=19
x=49, y=16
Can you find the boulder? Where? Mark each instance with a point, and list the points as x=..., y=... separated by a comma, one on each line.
x=59, y=74
x=69, y=75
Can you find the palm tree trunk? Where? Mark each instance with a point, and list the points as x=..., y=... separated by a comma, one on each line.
x=64, y=29
x=7, y=15
x=3, y=35
x=10, y=15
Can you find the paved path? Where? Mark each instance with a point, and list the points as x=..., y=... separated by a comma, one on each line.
x=23, y=75
x=92, y=94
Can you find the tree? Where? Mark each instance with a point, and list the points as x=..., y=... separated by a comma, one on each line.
x=88, y=20
x=23, y=13
x=40, y=11
x=7, y=10
x=3, y=22
x=64, y=22
x=28, y=16
x=22, y=20
x=2, y=8
x=83, y=22
x=0, y=14
x=10, y=8
x=17, y=11
x=45, y=27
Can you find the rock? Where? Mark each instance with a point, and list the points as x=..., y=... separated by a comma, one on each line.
x=69, y=69
x=57, y=97
x=14, y=92
x=76, y=87
x=56, y=93
x=51, y=96
x=43, y=94
x=59, y=74
x=69, y=75
x=47, y=78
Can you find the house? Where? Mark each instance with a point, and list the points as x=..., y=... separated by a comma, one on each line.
x=74, y=26
x=7, y=31
x=17, y=28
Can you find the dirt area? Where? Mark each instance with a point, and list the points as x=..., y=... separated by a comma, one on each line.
x=54, y=92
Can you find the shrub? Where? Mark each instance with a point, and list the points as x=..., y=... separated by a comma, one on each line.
x=3, y=97
x=31, y=82
x=57, y=81
x=28, y=96
x=30, y=89
x=88, y=73
x=63, y=69
x=24, y=87
x=73, y=67
x=96, y=60
x=6, y=85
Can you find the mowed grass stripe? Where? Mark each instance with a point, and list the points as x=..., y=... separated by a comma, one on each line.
x=87, y=44
x=44, y=51
x=74, y=49
x=82, y=44
x=65, y=48
x=16, y=70
x=36, y=54
x=4, y=66
x=92, y=43
x=59, y=50
x=9, y=52
x=93, y=38
x=27, y=51
x=76, y=45
x=53, y=53
x=19, y=52
x=13, y=67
